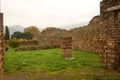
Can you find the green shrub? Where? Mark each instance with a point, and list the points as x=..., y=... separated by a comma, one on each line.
x=6, y=48
x=14, y=43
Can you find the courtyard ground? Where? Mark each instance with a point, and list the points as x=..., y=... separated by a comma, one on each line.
x=48, y=65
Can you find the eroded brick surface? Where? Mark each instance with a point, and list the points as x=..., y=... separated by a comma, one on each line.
x=109, y=34
x=66, y=47
x=1, y=45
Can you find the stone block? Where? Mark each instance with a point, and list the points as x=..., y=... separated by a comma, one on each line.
x=113, y=8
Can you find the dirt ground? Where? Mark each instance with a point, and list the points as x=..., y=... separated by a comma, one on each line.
x=32, y=76
x=66, y=74
x=36, y=75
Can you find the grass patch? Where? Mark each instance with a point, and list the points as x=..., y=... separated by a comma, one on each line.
x=49, y=63
x=49, y=59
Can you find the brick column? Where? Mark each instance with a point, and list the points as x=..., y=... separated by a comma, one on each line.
x=110, y=34
x=66, y=48
x=119, y=38
x=2, y=49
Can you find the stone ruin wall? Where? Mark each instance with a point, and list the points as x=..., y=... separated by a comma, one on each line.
x=27, y=45
x=48, y=41
x=2, y=47
x=50, y=37
x=110, y=33
x=87, y=38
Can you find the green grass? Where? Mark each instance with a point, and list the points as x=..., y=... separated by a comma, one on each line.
x=47, y=60
x=85, y=66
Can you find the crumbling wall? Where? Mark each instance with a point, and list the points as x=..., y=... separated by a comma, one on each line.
x=87, y=38
x=110, y=33
x=2, y=47
x=28, y=45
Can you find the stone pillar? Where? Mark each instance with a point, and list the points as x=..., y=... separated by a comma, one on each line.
x=2, y=49
x=110, y=34
x=66, y=48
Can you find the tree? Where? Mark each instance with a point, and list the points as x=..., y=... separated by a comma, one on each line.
x=14, y=43
x=22, y=35
x=7, y=34
x=17, y=35
x=32, y=30
x=26, y=35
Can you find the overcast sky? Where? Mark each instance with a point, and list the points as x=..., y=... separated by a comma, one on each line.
x=46, y=13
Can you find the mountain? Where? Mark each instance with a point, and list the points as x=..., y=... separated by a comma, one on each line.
x=71, y=26
x=14, y=28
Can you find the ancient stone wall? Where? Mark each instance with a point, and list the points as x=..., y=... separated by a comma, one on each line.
x=28, y=43
x=87, y=38
x=110, y=33
x=2, y=49
x=50, y=37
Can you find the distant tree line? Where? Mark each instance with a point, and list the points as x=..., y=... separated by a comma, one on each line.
x=27, y=34
x=21, y=35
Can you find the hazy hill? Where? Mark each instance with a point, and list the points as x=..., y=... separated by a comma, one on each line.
x=71, y=26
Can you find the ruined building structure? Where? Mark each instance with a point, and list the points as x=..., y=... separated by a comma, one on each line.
x=110, y=33
x=87, y=38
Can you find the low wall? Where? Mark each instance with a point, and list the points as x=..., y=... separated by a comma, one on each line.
x=28, y=43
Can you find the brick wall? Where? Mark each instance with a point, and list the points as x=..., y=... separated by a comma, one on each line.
x=50, y=37
x=2, y=49
x=110, y=33
x=28, y=43
x=87, y=38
